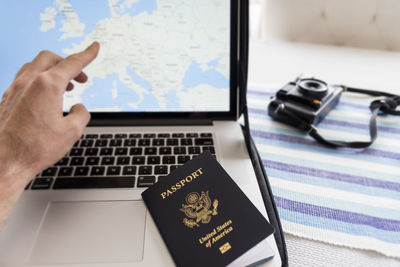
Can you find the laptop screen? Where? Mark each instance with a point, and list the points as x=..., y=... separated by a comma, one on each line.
x=155, y=55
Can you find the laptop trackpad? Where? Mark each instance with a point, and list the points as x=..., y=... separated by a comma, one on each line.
x=91, y=232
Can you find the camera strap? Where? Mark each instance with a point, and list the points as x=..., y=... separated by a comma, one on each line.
x=386, y=104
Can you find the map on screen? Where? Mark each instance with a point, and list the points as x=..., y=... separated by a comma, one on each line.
x=155, y=55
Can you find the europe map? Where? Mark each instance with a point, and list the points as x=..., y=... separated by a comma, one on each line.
x=155, y=55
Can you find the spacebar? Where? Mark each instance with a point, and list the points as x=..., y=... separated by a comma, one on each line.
x=94, y=182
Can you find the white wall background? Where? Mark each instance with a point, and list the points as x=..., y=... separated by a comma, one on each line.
x=373, y=24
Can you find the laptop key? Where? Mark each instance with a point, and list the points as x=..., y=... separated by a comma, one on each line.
x=192, y=135
x=206, y=135
x=121, y=136
x=153, y=160
x=94, y=182
x=77, y=161
x=144, y=142
x=183, y=159
x=76, y=144
x=86, y=143
x=178, y=135
x=172, y=142
x=101, y=143
x=91, y=151
x=179, y=150
x=161, y=169
x=203, y=142
x=146, y=181
x=194, y=150
x=106, y=136
x=65, y=171
x=136, y=151
x=49, y=172
x=186, y=142
x=41, y=183
x=76, y=152
x=123, y=160
x=92, y=136
x=165, y=151
x=106, y=151
x=113, y=170
x=115, y=142
x=168, y=160
x=145, y=169
x=150, y=151
x=81, y=171
x=129, y=170
x=107, y=161
x=130, y=142
x=138, y=160
x=158, y=142
x=92, y=161
x=135, y=136
x=149, y=135
x=97, y=170
x=62, y=162
x=121, y=151
x=163, y=135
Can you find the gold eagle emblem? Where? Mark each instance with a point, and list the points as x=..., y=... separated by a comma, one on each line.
x=197, y=209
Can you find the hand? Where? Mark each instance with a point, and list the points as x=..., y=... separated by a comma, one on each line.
x=34, y=134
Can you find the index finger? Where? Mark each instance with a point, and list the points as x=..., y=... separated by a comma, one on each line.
x=72, y=66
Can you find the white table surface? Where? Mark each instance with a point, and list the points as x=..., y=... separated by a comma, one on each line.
x=275, y=64
x=280, y=62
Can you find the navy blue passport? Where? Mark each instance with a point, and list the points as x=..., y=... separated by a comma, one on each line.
x=203, y=216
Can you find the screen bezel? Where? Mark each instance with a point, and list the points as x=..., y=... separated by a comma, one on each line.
x=98, y=117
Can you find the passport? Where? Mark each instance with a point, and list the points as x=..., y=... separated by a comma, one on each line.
x=203, y=216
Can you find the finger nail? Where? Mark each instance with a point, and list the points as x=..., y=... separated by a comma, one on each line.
x=95, y=43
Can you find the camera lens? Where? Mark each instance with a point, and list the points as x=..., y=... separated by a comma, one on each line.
x=313, y=87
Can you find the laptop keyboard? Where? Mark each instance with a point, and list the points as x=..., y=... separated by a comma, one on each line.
x=122, y=160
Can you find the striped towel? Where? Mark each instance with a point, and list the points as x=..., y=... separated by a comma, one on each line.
x=345, y=197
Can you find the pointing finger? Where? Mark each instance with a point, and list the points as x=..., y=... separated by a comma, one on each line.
x=44, y=61
x=72, y=66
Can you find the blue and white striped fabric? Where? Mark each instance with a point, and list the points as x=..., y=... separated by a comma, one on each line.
x=341, y=196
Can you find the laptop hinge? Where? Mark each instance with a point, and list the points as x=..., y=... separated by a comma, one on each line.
x=149, y=122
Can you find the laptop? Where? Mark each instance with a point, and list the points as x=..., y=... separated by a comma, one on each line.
x=163, y=89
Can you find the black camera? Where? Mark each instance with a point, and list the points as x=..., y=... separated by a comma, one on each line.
x=306, y=99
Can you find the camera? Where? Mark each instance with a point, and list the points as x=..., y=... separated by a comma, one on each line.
x=305, y=99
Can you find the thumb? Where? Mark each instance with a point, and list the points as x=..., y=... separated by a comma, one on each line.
x=77, y=119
